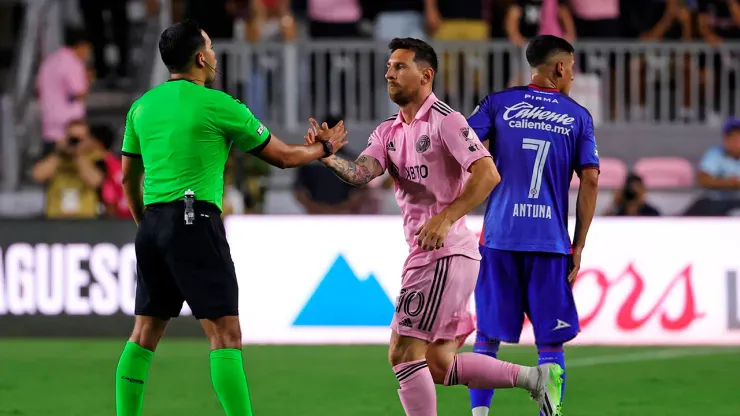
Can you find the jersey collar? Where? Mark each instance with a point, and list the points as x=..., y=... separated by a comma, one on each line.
x=538, y=88
x=423, y=110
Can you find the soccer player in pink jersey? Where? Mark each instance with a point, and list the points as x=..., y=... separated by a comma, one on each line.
x=441, y=171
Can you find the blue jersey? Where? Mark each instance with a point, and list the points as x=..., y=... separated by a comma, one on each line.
x=538, y=138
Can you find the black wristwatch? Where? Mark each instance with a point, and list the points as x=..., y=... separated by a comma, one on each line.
x=328, y=148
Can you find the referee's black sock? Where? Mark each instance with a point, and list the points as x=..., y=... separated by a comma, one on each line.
x=230, y=382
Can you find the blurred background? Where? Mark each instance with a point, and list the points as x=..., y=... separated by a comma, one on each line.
x=658, y=76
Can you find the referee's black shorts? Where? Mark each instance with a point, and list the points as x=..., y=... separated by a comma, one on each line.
x=178, y=262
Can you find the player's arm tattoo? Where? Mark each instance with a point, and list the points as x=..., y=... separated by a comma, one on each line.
x=357, y=173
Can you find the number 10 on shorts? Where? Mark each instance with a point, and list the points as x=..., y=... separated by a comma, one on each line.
x=542, y=147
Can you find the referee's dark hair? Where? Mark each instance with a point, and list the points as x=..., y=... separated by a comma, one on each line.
x=178, y=45
x=544, y=47
x=423, y=52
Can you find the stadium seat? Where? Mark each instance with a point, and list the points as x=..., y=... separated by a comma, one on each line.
x=665, y=172
x=612, y=174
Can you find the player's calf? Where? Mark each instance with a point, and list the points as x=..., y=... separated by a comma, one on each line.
x=417, y=394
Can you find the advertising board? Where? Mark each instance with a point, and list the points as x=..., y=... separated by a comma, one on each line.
x=334, y=280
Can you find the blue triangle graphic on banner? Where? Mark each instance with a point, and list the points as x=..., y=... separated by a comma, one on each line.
x=342, y=299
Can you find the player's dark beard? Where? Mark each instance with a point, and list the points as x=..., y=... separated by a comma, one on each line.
x=401, y=98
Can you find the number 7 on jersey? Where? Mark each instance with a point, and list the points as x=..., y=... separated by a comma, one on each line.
x=542, y=147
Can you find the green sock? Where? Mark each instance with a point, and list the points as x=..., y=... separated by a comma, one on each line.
x=230, y=382
x=131, y=378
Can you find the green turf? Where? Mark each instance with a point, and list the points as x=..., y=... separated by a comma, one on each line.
x=75, y=378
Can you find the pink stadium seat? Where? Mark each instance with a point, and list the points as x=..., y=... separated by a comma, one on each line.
x=612, y=175
x=665, y=172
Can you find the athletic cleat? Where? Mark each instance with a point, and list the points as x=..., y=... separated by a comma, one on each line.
x=549, y=389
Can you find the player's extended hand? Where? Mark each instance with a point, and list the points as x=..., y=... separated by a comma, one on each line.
x=576, y=266
x=335, y=135
x=431, y=236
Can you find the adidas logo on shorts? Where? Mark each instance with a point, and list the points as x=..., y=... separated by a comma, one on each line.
x=406, y=322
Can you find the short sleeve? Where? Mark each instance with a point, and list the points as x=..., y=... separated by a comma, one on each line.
x=587, y=154
x=131, y=146
x=239, y=125
x=710, y=162
x=481, y=121
x=461, y=141
x=375, y=148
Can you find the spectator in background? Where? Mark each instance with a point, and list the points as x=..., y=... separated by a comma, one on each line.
x=270, y=20
x=399, y=18
x=62, y=83
x=719, y=175
x=245, y=184
x=72, y=174
x=457, y=20
x=320, y=192
x=526, y=19
x=596, y=19
x=334, y=18
x=719, y=20
x=93, y=12
x=630, y=202
x=656, y=20
x=112, y=197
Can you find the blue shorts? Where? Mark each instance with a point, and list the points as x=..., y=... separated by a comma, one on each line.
x=514, y=283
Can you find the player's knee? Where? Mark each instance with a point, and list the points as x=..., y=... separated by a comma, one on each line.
x=224, y=332
x=439, y=362
x=404, y=350
x=148, y=331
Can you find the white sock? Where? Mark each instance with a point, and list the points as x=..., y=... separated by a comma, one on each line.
x=528, y=378
x=480, y=411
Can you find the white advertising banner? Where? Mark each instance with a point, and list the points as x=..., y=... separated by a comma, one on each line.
x=333, y=280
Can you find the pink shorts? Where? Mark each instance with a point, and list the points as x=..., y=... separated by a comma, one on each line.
x=434, y=303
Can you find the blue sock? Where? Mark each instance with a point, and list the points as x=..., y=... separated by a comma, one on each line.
x=489, y=347
x=552, y=354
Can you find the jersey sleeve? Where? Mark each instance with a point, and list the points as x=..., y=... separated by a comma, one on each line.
x=587, y=154
x=710, y=162
x=375, y=148
x=131, y=146
x=461, y=141
x=239, y=125
x=481, y=121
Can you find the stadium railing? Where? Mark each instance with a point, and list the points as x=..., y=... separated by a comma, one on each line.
x=621, y=83
x=41, y=33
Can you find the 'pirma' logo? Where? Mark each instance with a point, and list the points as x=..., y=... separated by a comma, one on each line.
x=342, y=299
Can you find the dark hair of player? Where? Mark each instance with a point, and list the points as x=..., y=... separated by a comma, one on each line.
x=423, y=52
x=178, y=45
x=544, y=47
x=74, y=36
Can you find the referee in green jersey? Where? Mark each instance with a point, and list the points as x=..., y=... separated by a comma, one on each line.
x=180, y=134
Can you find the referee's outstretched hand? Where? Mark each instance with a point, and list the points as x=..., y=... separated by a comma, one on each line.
x=322, y=133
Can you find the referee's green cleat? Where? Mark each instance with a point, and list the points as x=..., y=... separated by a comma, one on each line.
x=549, y=393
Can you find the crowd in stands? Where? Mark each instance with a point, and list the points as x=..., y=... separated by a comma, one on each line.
x=81, y=172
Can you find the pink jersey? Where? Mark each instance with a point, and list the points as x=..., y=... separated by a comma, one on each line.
x=61, y=77
x=429, y=161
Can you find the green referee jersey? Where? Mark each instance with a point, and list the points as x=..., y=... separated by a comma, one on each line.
x=184, y=132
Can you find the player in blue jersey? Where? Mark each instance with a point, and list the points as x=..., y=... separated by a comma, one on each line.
x=538, y=137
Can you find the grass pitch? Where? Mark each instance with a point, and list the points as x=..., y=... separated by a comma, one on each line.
x=76, y=378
